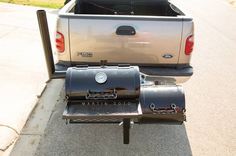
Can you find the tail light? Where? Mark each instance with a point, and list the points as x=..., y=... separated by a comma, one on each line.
x=189, y=45
x=60, y=44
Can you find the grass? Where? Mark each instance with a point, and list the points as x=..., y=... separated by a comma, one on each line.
x=41, y=3
x=232, y=2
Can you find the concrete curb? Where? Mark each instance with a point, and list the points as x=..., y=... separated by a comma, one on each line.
x=8, y=134
x=36, y=124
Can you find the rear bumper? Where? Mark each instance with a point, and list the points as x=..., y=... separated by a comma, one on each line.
x=169, y=74
x=167, y=71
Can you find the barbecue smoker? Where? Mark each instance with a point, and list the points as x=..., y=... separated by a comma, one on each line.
x=114, y=94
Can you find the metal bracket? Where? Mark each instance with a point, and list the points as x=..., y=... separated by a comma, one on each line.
x=103, y=63
x=53, y=73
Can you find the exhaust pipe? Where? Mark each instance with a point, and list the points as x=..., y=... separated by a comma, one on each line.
x=44, y=32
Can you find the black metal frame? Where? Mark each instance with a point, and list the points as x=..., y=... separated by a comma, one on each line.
x=44, y=31
x=126, y=130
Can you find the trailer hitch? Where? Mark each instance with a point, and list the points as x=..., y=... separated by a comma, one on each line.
x=127, y=124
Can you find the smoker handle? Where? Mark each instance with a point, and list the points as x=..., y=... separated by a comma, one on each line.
x=125, y=30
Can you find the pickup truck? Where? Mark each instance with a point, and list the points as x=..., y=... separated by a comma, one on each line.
x=153, y=34
x=122, y=61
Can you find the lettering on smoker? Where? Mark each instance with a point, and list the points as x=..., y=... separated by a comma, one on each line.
x=93, y=103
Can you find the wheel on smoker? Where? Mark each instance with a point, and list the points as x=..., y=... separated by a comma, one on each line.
x=126, y=130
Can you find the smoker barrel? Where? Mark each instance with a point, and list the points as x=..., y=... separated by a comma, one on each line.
x=107, y=82
x=162, y=104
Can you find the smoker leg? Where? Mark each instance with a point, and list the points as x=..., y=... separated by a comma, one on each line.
x=126, y=130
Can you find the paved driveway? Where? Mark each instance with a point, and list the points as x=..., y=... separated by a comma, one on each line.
x=22, y=66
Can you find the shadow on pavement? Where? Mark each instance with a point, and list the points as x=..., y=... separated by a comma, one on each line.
x=104, y=139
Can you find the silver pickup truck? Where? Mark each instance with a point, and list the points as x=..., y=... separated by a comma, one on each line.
x=153, y=34
x=122, y=61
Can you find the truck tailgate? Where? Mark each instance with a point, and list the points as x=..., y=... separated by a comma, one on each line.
x=156, y=40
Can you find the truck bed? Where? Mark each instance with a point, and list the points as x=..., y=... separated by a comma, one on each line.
x=127, y=7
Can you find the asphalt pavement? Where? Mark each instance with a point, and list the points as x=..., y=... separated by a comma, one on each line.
x=210, y=97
